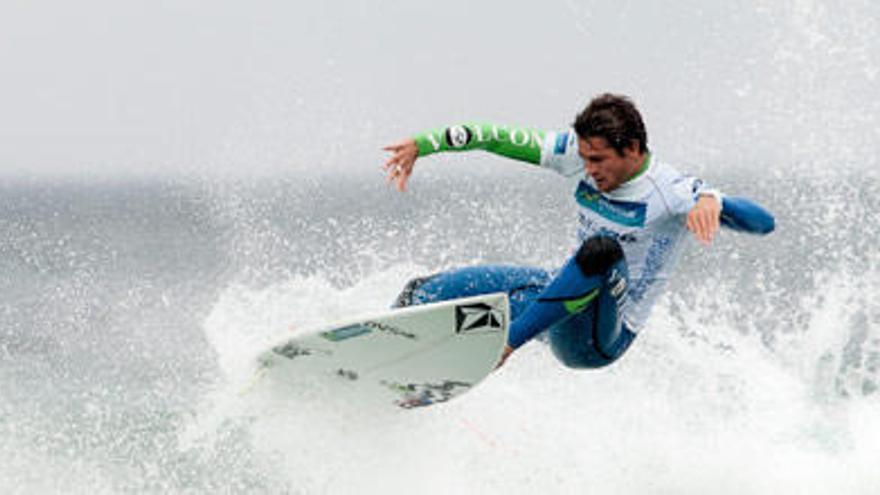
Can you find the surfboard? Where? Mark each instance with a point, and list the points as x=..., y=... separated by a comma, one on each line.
x=405, y=358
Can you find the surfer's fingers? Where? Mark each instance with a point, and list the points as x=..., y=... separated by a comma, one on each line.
x=399, y=160
x=706, y=221
x=704, y=225
x=691, y=222
x=392, y=162
x=395, y=151
x=713, y=225
x=394, y=171
x=716, y=219
x=504, y=355
x=712, y=217
x=401, y=182
x=695, y=226
x=391, y=178
x=396, y=146
x=407, y=146
x=405, y=175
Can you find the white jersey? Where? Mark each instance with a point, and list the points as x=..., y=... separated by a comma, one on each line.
x=646, y=214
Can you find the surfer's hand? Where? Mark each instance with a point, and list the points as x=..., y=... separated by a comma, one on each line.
x=704, y=219
x=504, y=355
x=399, y=167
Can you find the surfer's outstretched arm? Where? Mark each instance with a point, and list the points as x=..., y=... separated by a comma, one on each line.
x=518, y=143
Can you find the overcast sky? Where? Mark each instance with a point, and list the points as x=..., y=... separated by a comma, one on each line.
x=204, y=87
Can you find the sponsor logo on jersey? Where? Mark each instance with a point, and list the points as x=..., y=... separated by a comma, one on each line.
x=627, y=213
x=561, y=143
x=479, y=316
x=458, y=136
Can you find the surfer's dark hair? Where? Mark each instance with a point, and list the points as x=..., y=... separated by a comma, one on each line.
x=615, y=119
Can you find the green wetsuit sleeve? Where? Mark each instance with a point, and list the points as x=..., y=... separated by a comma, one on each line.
x=512, y=142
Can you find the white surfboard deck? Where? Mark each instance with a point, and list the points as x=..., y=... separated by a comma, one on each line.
x=406, y=357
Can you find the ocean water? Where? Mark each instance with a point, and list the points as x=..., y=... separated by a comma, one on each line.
x=131, y=310
x=163, y=220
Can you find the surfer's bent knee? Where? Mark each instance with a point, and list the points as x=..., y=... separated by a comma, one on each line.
x=598, y=254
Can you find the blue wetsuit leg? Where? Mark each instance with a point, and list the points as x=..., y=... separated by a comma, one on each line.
x=581, y=308
x=596, y=336
x=522, y=285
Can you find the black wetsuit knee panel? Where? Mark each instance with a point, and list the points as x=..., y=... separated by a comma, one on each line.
x=597, y=254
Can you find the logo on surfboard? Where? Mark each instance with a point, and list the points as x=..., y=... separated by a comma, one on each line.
x=479, y=316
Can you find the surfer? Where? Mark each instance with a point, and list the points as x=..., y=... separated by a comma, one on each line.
x=634, y=212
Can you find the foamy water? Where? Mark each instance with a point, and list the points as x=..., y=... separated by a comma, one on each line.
x=678, y=414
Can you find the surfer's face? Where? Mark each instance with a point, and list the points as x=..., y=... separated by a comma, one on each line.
x=605, y=165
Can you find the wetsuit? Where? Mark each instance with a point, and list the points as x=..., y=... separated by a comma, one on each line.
x=630, y=239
